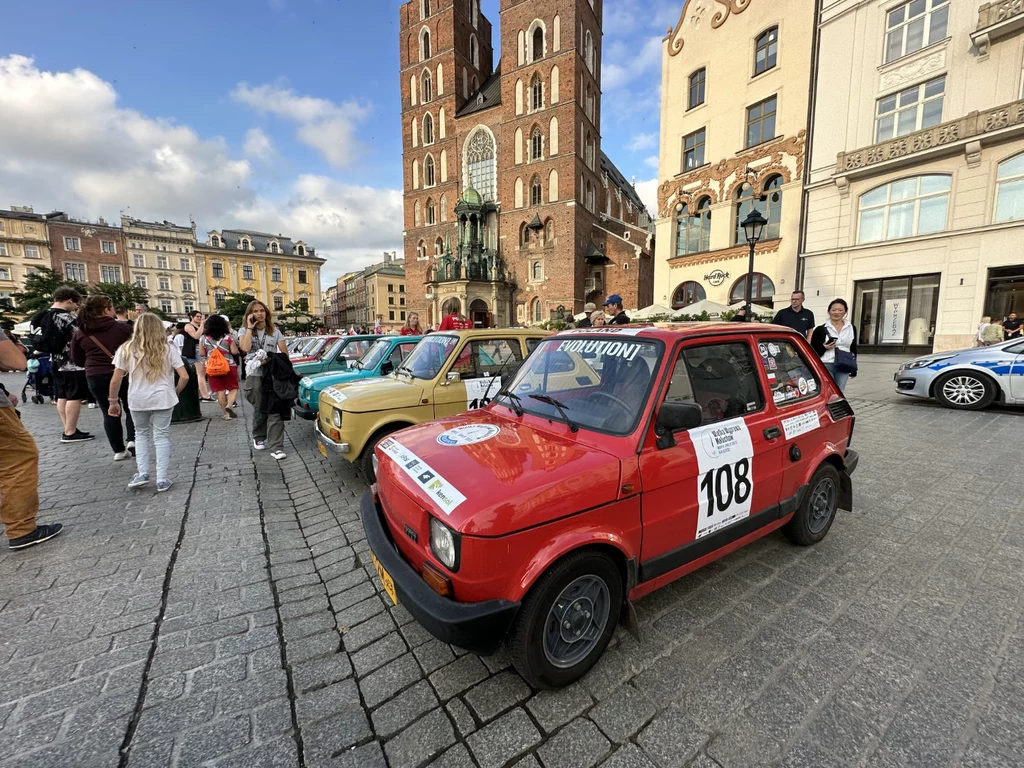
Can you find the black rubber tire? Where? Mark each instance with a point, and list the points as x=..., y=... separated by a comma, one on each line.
x=526, y=638
x=801, y=529
x=985, y=401
x=366, y=460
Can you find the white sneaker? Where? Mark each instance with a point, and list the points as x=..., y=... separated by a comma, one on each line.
x=258, y=445
x=92, y=405
x=130, y=447
x=122, y=456
x=279, y=455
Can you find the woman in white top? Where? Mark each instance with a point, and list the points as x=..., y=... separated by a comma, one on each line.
x=150, y=363
x=837, y=333
x=261, y=336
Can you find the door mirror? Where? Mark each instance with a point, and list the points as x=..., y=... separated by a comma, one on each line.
x=454, y=376
x=386, y=367
x=673, y=417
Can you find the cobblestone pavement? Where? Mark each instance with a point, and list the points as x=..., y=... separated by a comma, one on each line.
x=237, y=621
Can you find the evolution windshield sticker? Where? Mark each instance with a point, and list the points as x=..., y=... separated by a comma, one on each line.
x=470, y=434
x=725, y=486
x=625, y=350
x=443, y=493
x=800, y=425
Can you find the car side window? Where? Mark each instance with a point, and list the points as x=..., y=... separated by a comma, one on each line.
x=1015, y=349
x=790, y=377
x=532, y=344
x=406, y=349
x=396, y=356
x=491, y=355
x=720, y=378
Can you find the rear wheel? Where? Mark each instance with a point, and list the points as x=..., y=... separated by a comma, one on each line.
x=366, y=462
x=567, y=619
x=812, y=521
x=965, y=391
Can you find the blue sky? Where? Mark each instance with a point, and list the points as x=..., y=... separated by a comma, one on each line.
x=278, y=115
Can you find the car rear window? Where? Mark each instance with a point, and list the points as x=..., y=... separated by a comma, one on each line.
x=790, y=377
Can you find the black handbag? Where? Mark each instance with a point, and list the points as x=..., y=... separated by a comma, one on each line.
x=845, y=362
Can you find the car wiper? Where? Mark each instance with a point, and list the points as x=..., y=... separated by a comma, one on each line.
x=561, y=409
x=515, y=400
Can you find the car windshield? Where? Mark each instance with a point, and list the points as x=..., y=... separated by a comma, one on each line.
x=297, y=345
x=375, y=354
x=429, y=356
x=329, y=351
x=350, y=350
x=598, y=384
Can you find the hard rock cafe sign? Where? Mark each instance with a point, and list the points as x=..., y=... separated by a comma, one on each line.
x=716, y=277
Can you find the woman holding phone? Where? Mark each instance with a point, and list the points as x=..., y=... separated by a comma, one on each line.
x=835, y=342
x=261, y=336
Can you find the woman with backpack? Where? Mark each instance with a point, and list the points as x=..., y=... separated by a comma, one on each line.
x=217, y=350
x=93, y=346
x=150, y=364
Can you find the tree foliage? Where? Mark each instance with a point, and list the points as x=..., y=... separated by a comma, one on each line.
x=233, y=307
x=122, y=294
x=38, y=292
x=297, y=319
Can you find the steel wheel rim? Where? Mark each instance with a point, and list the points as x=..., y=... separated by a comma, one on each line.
x=822, y=505
x=576, y=621
x=963, y=390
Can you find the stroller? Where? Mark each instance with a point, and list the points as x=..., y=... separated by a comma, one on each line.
x=40, y=379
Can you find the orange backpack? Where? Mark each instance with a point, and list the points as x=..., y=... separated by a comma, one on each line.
x=216, y=363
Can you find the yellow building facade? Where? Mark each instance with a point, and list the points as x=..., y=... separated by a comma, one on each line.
x=272, y=268
x=735, y=84
x=24, y=248
x=386, y=299
x=161, y=258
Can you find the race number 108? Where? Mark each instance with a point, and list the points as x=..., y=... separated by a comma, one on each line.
x=726, y=485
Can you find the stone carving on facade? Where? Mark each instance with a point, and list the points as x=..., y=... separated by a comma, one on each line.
x=913, y=71
x=784, y=157
x=974, y=124
x=695, y=12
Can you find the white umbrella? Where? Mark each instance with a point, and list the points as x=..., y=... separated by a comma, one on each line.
x=713, y=308
x=23, y=328
x=755, y=309
x=651, y=311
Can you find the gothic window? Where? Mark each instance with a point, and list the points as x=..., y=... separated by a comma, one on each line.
x=480, y=163
x=421, y=249
x=438, y=247
x=537, y=43
x=524, y=235
x=444, y=207
x=536, y=195
x=549, y=232
x=536, y=272
x=431, y=212
x=424, y=44
x=536, y=94
x=429, y=175
x=428, y=90
x=588, y=48
x=474, y=11
x=424, y=8
x=536, y=145
x=417, y=216
x=428, y=129
x=474, y=51
x=537, y=311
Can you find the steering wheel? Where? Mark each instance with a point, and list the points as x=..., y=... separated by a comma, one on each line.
x=613, y=398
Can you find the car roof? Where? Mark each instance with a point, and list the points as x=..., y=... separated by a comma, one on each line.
x=475, y=333
x=671, y=332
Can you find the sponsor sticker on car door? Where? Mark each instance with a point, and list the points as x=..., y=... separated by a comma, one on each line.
x=725, y=485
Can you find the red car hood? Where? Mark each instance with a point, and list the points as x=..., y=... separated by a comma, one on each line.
x=485, y=475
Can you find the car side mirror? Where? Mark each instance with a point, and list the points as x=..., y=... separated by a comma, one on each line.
x=454, y=376
x=673, y=417
x=386, y=367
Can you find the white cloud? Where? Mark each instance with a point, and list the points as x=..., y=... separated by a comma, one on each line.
x=257, y=144
x=327, y=127
x=643, y=141
x=624, y=64
x=652, y=162
x=648, y=191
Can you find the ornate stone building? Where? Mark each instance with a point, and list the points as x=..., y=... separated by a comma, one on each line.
x=161, y=259
x=24, y=248
x=511, y=208
x=735, y=79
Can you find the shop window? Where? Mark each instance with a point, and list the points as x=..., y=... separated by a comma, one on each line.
x=896, y=314
x=904, y=208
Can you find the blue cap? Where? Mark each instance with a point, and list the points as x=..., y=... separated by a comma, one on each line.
x=613, y=299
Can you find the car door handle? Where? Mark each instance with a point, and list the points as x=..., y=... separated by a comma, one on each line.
x=772, y=433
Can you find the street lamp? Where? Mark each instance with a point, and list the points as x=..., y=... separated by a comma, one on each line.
x=753, y=227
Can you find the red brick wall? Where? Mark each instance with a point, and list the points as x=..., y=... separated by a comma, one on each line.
x=89, y=237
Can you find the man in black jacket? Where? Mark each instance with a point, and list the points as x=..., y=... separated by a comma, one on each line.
x=613, y=307
x=795, y=316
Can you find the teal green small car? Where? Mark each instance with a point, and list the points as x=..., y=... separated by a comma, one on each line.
x=340, y=355
x=380, y=359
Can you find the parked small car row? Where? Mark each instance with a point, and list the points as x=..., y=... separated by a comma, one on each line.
x=528, y=487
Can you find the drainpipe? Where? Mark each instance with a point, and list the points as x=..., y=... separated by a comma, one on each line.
x=808, y=145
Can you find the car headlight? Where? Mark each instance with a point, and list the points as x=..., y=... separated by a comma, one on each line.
x=444, y=544
x=336, y=418
x=925, y=362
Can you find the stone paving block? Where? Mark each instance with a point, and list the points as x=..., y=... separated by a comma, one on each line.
x=272, y=718
x=367, y=632
x=629, y=756
x=456, y=757
x=381, y=685
x=553, y=709
x=342, y=730
x=496, y=694
x=281, y=752
x=257, y=689
x=579, y=743
x=208, y=742
x=295, y=629
x=391, y=717
x=458, y=676
x=369, y=755
x=312, y=647
x=322, y=702
x=461, y=716
x=743, y=744
x=378, y=654
x=433, y=654
x=320, y=672
x=360, y=612
x=510, y=735
x=623, y=713
x=672, y=739
x=421, y=740
x=218, y=674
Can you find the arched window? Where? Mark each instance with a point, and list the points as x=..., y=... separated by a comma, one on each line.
x=417, y=215
x=590, y=151
x=744, y=205
x=904, y=208
x=1010, y=189
x=245, y=244
x=555, y=85
x=536, y=193
x=301, y=250
x=762, y=293
x=553, y=137
x=442, y=132
x=215, y=241
x=519, y=193
x=773, y=208
x=537, y=311
x=444, y=207
x=431, y=211
x=480, y=163
x=519, y=97
x=415, y=174
x=549, y=232
x=421, y=250
x=474, y=51
x=424, y=8
x=429, y=174
x=537, y=43
x=696, y=95
x=474, y=11
x=428, y=129
x=424, y=44
x=553, y=186
x=536, y=145
x=476, y=84
x=536, y=94
x=415, y=130
x=427, y=87
x=443, y=162
x=588, y=49
x=440, y=79
x=687, y=293
x=693, y=227
x=766, y=50
x=439, y=247
x=273, y=248
x=535, y=271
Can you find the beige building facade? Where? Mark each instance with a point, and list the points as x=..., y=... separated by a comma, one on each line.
x=24, y=248
x=915, y=203
x=735, y=82
x=386, y=298
x=161, y=258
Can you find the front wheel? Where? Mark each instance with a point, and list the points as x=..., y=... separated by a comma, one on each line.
x=567, y=620
x=366, y=461
x=812, y=521
x=964, y=391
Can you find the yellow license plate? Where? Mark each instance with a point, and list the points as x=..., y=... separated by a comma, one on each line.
x=322, y=447
x=385, y=579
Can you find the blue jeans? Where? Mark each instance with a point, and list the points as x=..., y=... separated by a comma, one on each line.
x=153, y=428
x=841, y=378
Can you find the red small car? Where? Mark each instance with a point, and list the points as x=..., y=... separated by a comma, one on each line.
x=615, y=461
x=310, y=350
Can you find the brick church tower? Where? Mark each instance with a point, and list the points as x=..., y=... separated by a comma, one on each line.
x=511, y=208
